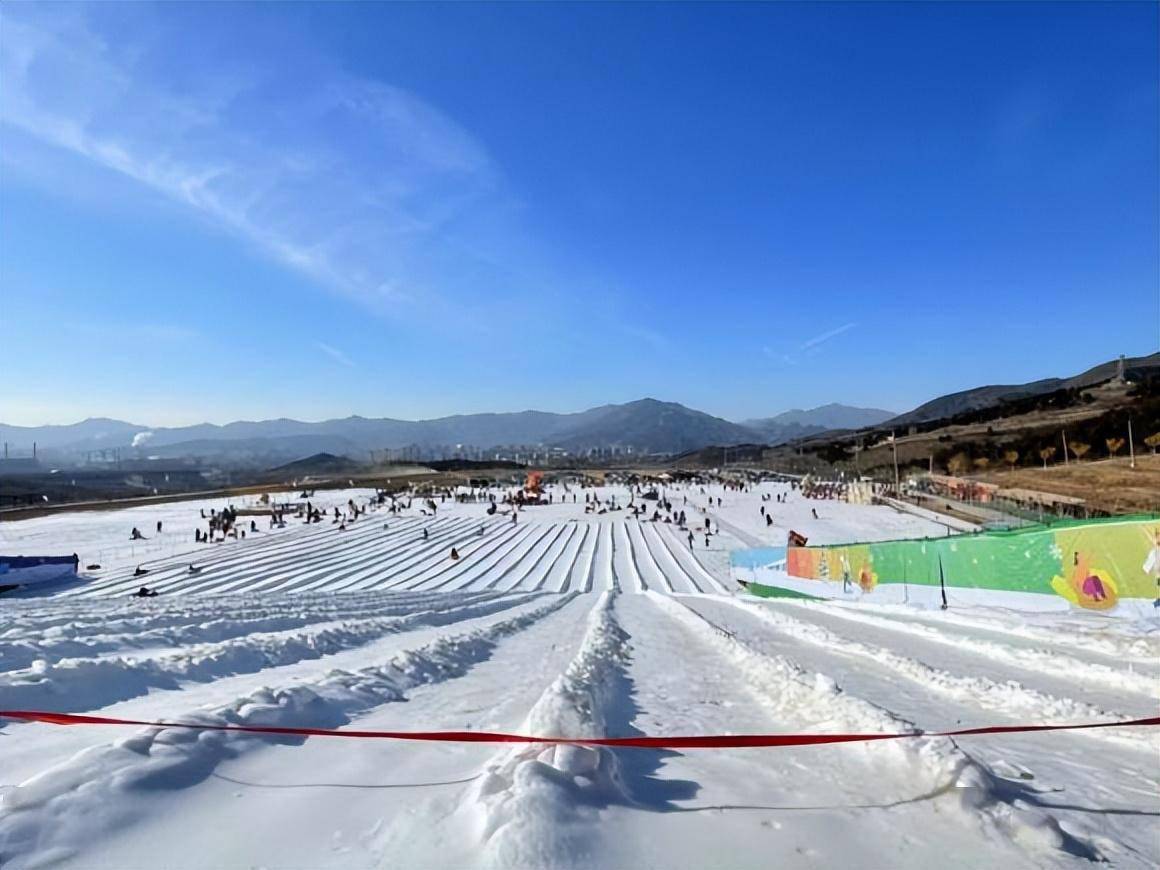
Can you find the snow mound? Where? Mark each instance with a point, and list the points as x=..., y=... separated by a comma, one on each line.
x=532, y=803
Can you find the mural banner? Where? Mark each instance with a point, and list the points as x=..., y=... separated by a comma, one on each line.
x=1094, y=564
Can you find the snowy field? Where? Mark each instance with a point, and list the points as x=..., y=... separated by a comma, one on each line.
x=563, y=623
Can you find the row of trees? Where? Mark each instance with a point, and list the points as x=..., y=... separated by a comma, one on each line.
x=961, y=462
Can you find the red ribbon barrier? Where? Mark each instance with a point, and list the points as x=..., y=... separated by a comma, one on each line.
x=699, y=741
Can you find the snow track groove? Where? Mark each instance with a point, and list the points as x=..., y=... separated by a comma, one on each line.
x=628, y=578
x=298, y=539
x=643, y=561
x=79, y=620
x=376, y=560
x=814, y=702
x=541, y=536
x=587, y=578
x=86, y=684
x=165, y=631
x=554, y=545
x=230, y=564
x=1007, y=697
x=474, y=570
x=1043, y=661
x=426, y=555
x=671, y=570
x=44, y=812
x=1099, y=645
x=690, y=563
x=1028, y=771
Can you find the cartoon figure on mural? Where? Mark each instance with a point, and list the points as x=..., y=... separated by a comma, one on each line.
x=1091, y=588
x=867, y=579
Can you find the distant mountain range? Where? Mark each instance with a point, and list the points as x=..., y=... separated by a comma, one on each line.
x=798, y=423
x=644, y=426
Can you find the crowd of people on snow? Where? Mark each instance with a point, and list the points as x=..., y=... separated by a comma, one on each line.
x=649, y=500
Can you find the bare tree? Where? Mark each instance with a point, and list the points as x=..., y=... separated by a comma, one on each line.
x=1046, y=453
x=1153, y=441
x=1079, y=449
x=1114, y=445
x=1011, y=457
x=958, y=463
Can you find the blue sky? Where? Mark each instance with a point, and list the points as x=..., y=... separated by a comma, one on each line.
x=224, y=211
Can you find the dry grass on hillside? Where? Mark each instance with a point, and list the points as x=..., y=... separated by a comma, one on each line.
x=1109, y=484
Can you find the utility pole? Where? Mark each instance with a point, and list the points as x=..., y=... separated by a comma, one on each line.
x=1064, y=434
x=897, y=485
x=1131, y=447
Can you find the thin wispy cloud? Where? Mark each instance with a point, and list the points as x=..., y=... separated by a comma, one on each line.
x=779, y=356
x=795, y=356
x=335, y=354
x=826, y=336
x=359, y=185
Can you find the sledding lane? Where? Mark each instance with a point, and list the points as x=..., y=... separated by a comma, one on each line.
x=1082, y=778
x=291, y=688
x=240, y=565
x=298, y=542
x=415, y=553
x=1078, y=639
x=802, y=793
x=492, y=690
x=1130, y=687
x=163, y=631
x=485, y=556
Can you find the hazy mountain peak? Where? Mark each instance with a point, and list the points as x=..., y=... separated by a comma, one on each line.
x=797, y=423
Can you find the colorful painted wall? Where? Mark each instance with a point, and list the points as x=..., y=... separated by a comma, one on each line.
x=1094, y=564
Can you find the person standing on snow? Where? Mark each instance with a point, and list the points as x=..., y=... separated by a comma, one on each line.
x=1152, y=565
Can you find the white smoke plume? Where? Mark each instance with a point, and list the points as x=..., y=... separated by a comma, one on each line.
x=141, y=438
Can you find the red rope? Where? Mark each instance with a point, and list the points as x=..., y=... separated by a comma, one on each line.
x=698, y=741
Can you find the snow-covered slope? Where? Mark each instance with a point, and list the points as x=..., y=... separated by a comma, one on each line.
x=567, y=623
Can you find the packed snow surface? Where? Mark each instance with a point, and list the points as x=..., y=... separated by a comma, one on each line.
x=565, y=623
